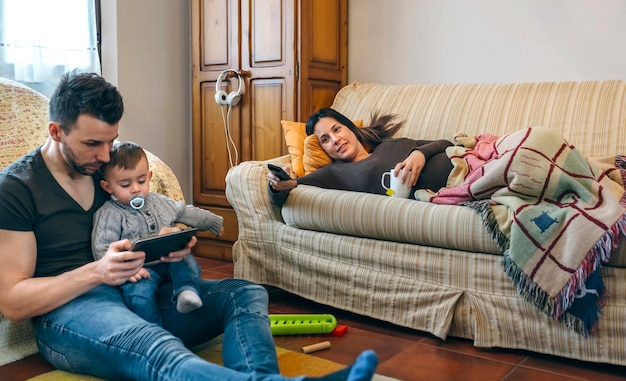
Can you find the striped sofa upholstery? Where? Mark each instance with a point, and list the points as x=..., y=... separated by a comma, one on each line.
x=431, y=267
x=23, y=127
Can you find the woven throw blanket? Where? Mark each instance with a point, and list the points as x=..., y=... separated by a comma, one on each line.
x=556, y=216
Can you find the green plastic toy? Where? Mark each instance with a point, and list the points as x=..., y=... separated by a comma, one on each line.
x=301, y=324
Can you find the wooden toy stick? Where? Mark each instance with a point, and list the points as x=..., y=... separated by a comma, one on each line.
x=316, y=347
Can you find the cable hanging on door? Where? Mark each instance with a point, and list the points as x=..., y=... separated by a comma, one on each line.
x=228, y=101
x=229, y=140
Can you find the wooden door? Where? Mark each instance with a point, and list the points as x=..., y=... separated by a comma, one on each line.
x=255, y=38
x=323, y=54
x=264, y=40
x=268, y=55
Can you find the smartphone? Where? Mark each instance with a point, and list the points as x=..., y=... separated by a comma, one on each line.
x=278, y=171
x=161, y=245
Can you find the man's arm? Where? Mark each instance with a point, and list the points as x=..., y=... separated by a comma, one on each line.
x=22, y=296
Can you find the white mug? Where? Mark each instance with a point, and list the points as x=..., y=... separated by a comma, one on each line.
x=396, y=187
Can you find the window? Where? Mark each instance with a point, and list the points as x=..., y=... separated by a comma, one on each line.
x=40, y=40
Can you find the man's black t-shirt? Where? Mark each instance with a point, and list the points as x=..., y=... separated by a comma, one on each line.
x=32, y=200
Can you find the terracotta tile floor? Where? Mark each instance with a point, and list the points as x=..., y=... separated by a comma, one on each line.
x=403, y=353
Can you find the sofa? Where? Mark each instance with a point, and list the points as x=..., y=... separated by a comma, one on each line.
x=426, y=266
x=23, y=127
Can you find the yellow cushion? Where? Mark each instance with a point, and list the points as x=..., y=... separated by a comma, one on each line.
x=314, y=156
x=295, y=133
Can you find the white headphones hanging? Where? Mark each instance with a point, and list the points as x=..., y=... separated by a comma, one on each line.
x=234, y=97
x=231, y=100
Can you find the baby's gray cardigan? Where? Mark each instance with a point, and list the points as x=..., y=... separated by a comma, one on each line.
x=115, y=221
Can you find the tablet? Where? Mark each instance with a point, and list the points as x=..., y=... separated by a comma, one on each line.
x=161, y=245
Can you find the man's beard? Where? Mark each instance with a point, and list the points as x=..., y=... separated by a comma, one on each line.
x=70, y=159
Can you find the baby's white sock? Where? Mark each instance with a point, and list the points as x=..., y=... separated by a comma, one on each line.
x=188, y=301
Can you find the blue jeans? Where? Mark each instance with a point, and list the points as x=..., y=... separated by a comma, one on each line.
x=140, y=296
x=97, y=334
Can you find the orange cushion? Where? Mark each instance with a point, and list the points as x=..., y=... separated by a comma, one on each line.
x=295, y=133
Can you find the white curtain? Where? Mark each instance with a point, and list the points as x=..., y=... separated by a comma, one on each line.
x=42, y=39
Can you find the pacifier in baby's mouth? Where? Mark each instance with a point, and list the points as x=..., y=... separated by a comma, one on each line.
x=137, y=202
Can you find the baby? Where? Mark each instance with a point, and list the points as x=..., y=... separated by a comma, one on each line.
x=134, y=212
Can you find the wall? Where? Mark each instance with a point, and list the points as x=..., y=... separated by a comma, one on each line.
x=146, y=53
x=452, y=41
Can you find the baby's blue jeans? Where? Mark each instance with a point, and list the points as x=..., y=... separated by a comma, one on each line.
x=141, y=297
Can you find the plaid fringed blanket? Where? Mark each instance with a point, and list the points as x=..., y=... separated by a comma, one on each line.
x=556, y=216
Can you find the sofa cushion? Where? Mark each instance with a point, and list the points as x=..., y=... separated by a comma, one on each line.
x=295, y=133
x=589, y=114
x=381, y=217
x=399, y=220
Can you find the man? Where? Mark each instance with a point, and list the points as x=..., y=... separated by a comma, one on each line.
x=81, y=323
